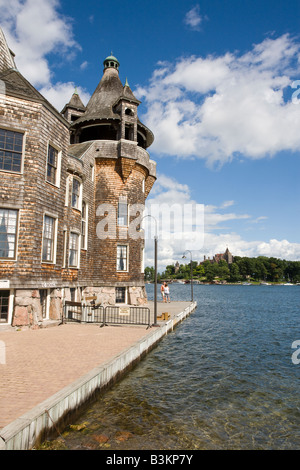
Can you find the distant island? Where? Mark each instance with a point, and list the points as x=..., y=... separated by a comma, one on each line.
x=225, y=268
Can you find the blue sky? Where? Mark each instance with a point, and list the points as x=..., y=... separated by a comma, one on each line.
x=215, y=80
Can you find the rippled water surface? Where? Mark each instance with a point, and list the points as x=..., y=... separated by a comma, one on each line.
x=224, y=379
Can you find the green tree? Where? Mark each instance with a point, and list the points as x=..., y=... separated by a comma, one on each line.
x=149, y=274
x=199, y=271
x=234, y=273
x=222, y=270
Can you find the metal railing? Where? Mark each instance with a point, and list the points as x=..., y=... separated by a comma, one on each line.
x=127, y=315
x=118, y=315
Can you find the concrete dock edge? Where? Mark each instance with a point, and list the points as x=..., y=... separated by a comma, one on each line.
x=26, y=431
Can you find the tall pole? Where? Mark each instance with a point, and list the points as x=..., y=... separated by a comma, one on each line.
x=155, y=280
x=192, y=293
x=155, y=268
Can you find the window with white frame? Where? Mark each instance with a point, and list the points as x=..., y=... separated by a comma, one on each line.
x=122, y=213
x=122, y=260
x=48, y=254
x=84, y=222
x=8, y=233
x=67, y=190
x=76, y=192
x=52, y=165
x=73, y=250
x=11, y=149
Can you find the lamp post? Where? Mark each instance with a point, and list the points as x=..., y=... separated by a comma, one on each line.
x=192, y=294
x=155, y=268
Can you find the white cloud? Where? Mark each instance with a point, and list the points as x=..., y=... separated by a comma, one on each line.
x=227, y=204
x=209, y=237
x=34, y=29
x=84, y=65
x=60, y=93
x=259, y=219
x=219, y=108
x=193, y=18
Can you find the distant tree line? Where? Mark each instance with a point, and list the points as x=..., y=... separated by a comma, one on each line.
x=258, y=269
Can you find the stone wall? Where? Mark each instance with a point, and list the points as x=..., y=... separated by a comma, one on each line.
x=28, y=306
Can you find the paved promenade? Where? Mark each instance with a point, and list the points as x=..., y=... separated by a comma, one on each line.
x=39, y=363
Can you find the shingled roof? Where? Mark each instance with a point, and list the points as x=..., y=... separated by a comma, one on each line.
x=74, y=103
x=103, y=103
x=104, y=97
x=6, y=55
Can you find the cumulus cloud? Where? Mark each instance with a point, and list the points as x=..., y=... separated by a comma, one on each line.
x=34, y=29
x=60, y=93
x=222, y=107
x=204, y=233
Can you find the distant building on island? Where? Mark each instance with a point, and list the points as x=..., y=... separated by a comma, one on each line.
x=227, y=256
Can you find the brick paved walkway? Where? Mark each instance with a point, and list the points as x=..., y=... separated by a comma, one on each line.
x=39, y=363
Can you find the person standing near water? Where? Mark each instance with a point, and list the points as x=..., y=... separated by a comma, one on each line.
x=162, y=290
x=167, y=293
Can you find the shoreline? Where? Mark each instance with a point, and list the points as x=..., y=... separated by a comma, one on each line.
x=32, y=427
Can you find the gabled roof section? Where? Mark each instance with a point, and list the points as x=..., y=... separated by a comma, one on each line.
x=6, y=55
x=17, y=86
x=78, y=150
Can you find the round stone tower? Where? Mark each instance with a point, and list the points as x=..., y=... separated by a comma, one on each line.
x=123, y=175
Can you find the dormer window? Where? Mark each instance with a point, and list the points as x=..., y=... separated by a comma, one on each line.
x=129, y=112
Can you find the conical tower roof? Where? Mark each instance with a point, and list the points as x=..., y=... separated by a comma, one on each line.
x=127, y=94
x=104, y=97
x=75, y=101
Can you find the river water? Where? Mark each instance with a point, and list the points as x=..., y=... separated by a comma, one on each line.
x=223, y=379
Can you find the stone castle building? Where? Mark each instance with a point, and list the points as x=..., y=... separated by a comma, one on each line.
x=67, y=180
x=227, y=256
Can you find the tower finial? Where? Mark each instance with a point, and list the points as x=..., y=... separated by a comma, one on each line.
x=111, y=61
